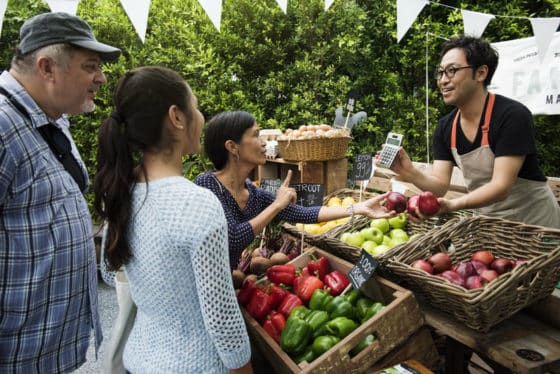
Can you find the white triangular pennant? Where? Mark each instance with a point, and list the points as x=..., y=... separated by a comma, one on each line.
x=137, y=11
x=544, y=29
x=3, y=6
x=67, y=6
x=328, y=4
x=214, y=10
x=283, y=5
x=474, y=23
x=407, y=11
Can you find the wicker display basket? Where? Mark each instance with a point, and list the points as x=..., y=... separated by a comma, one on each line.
x=483, y=308
x=316, y=149
x=317, y=240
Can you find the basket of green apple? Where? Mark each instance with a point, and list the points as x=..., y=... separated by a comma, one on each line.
x=480, y=269
x=382, y=238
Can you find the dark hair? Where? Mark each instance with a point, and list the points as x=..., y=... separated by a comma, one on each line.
x=222, y=127
x=142, y=99
x=477, y=51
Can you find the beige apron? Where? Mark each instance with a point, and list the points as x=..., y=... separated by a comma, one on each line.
x=531, y=202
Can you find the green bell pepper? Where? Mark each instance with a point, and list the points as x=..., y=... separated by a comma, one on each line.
x=321, y=344
x=339, y=306
x=372, y=310
x=353, y=295
x=365, y=342
x=295, y=336
x=307, y=355
x=300, y=312
x=320, y=299
x=316, y=319
x=362, y=305
x=341, y=326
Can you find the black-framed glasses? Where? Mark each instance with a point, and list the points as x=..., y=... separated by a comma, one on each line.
x=449, y=71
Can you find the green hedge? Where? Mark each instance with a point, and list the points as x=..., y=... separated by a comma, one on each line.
x=295, y=69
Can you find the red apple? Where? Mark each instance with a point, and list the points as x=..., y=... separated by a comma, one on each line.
x=501, y=265
x=465, y=269
x=423, y=265
x=486, y=257
x=479, y=266
x=396, y=201
x=428, y=203
x=489, y=275
x=412, y=205
x=518, y=262
x=440, y=262
x=453, y=277
x=475, y=281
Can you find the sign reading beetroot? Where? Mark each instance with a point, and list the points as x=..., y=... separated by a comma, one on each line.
x=309, y=194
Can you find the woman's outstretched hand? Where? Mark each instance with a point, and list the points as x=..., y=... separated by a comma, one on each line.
x=374, y=208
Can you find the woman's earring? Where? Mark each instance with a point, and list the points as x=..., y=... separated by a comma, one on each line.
x=236, y=157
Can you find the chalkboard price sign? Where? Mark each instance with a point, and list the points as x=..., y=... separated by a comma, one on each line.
x=271, y=185
x=362, y=270
x=362, y=167
x=309, y=194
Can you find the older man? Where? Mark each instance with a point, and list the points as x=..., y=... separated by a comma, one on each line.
x=48, y=277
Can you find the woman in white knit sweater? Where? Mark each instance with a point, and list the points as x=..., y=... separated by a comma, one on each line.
x=170, y=233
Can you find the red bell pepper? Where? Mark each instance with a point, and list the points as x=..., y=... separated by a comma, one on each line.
x=284, y=274
x=259, y=305
x=274, y=325
x=337, y=282
x=318, y=266
x=277, y=293
x=307, y=286
x=246, y=291
x=289, y=303
x=299, y=277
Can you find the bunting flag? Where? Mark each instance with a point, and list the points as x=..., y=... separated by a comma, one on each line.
x=407, y=11
x=214, y=10
x=67, y=6
x=328, y=4
x=544, y=29
x=3, y=6
x=137, y=11
x=283, y=5
x=474, y=23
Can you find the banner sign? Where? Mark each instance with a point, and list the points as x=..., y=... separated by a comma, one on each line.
x=522, y=77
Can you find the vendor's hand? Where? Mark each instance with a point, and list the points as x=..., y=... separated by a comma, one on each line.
x=402, y=165
x=373, y=208
x=285, y=194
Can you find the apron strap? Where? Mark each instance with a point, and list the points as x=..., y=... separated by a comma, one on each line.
x=485, y=125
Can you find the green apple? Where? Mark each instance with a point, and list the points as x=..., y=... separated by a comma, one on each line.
x=387, y=241
x=381, y=223
x=372, y=234
x=398, y=221
x=398, y=236
x=414, y=236
x=356, y=239
x=380, y=249
x=344, y=237
x=369, y=246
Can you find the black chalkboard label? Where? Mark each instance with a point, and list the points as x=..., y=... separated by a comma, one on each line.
x=529, y=355
x=362, y=167
x=271, y=185
x=309, y=194
x=362, y=270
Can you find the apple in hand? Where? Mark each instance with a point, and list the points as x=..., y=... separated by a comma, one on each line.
x=380, y=223
x=372, y=234
x=412, y=205
x=399, y=221
x=423, y=265
x=428, y=203
x=395, y=201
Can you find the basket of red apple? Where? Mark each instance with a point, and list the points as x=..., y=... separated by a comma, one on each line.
x=481, y=270
x=381, y=237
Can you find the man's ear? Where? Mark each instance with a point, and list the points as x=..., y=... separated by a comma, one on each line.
x=481, y=73
x=45, y=67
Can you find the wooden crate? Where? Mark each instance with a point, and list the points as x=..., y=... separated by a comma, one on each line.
x=392, y=325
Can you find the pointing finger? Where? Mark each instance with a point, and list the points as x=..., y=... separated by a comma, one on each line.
x=286, y=182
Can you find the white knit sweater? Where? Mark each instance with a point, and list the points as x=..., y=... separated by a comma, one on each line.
x=188, y=317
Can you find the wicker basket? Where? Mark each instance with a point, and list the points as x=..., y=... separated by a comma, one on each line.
x=483, y=308
x=316, y=149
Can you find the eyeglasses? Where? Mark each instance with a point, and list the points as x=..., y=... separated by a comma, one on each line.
x=449, y=71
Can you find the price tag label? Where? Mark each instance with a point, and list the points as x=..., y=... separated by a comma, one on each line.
x=309, y=194
x=363, y=270
x=363, y=166
x=271, y=185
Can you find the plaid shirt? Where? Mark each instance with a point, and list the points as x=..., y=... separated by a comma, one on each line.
x=48, y=276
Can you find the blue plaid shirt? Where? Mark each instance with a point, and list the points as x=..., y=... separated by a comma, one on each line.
x=48, y=275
